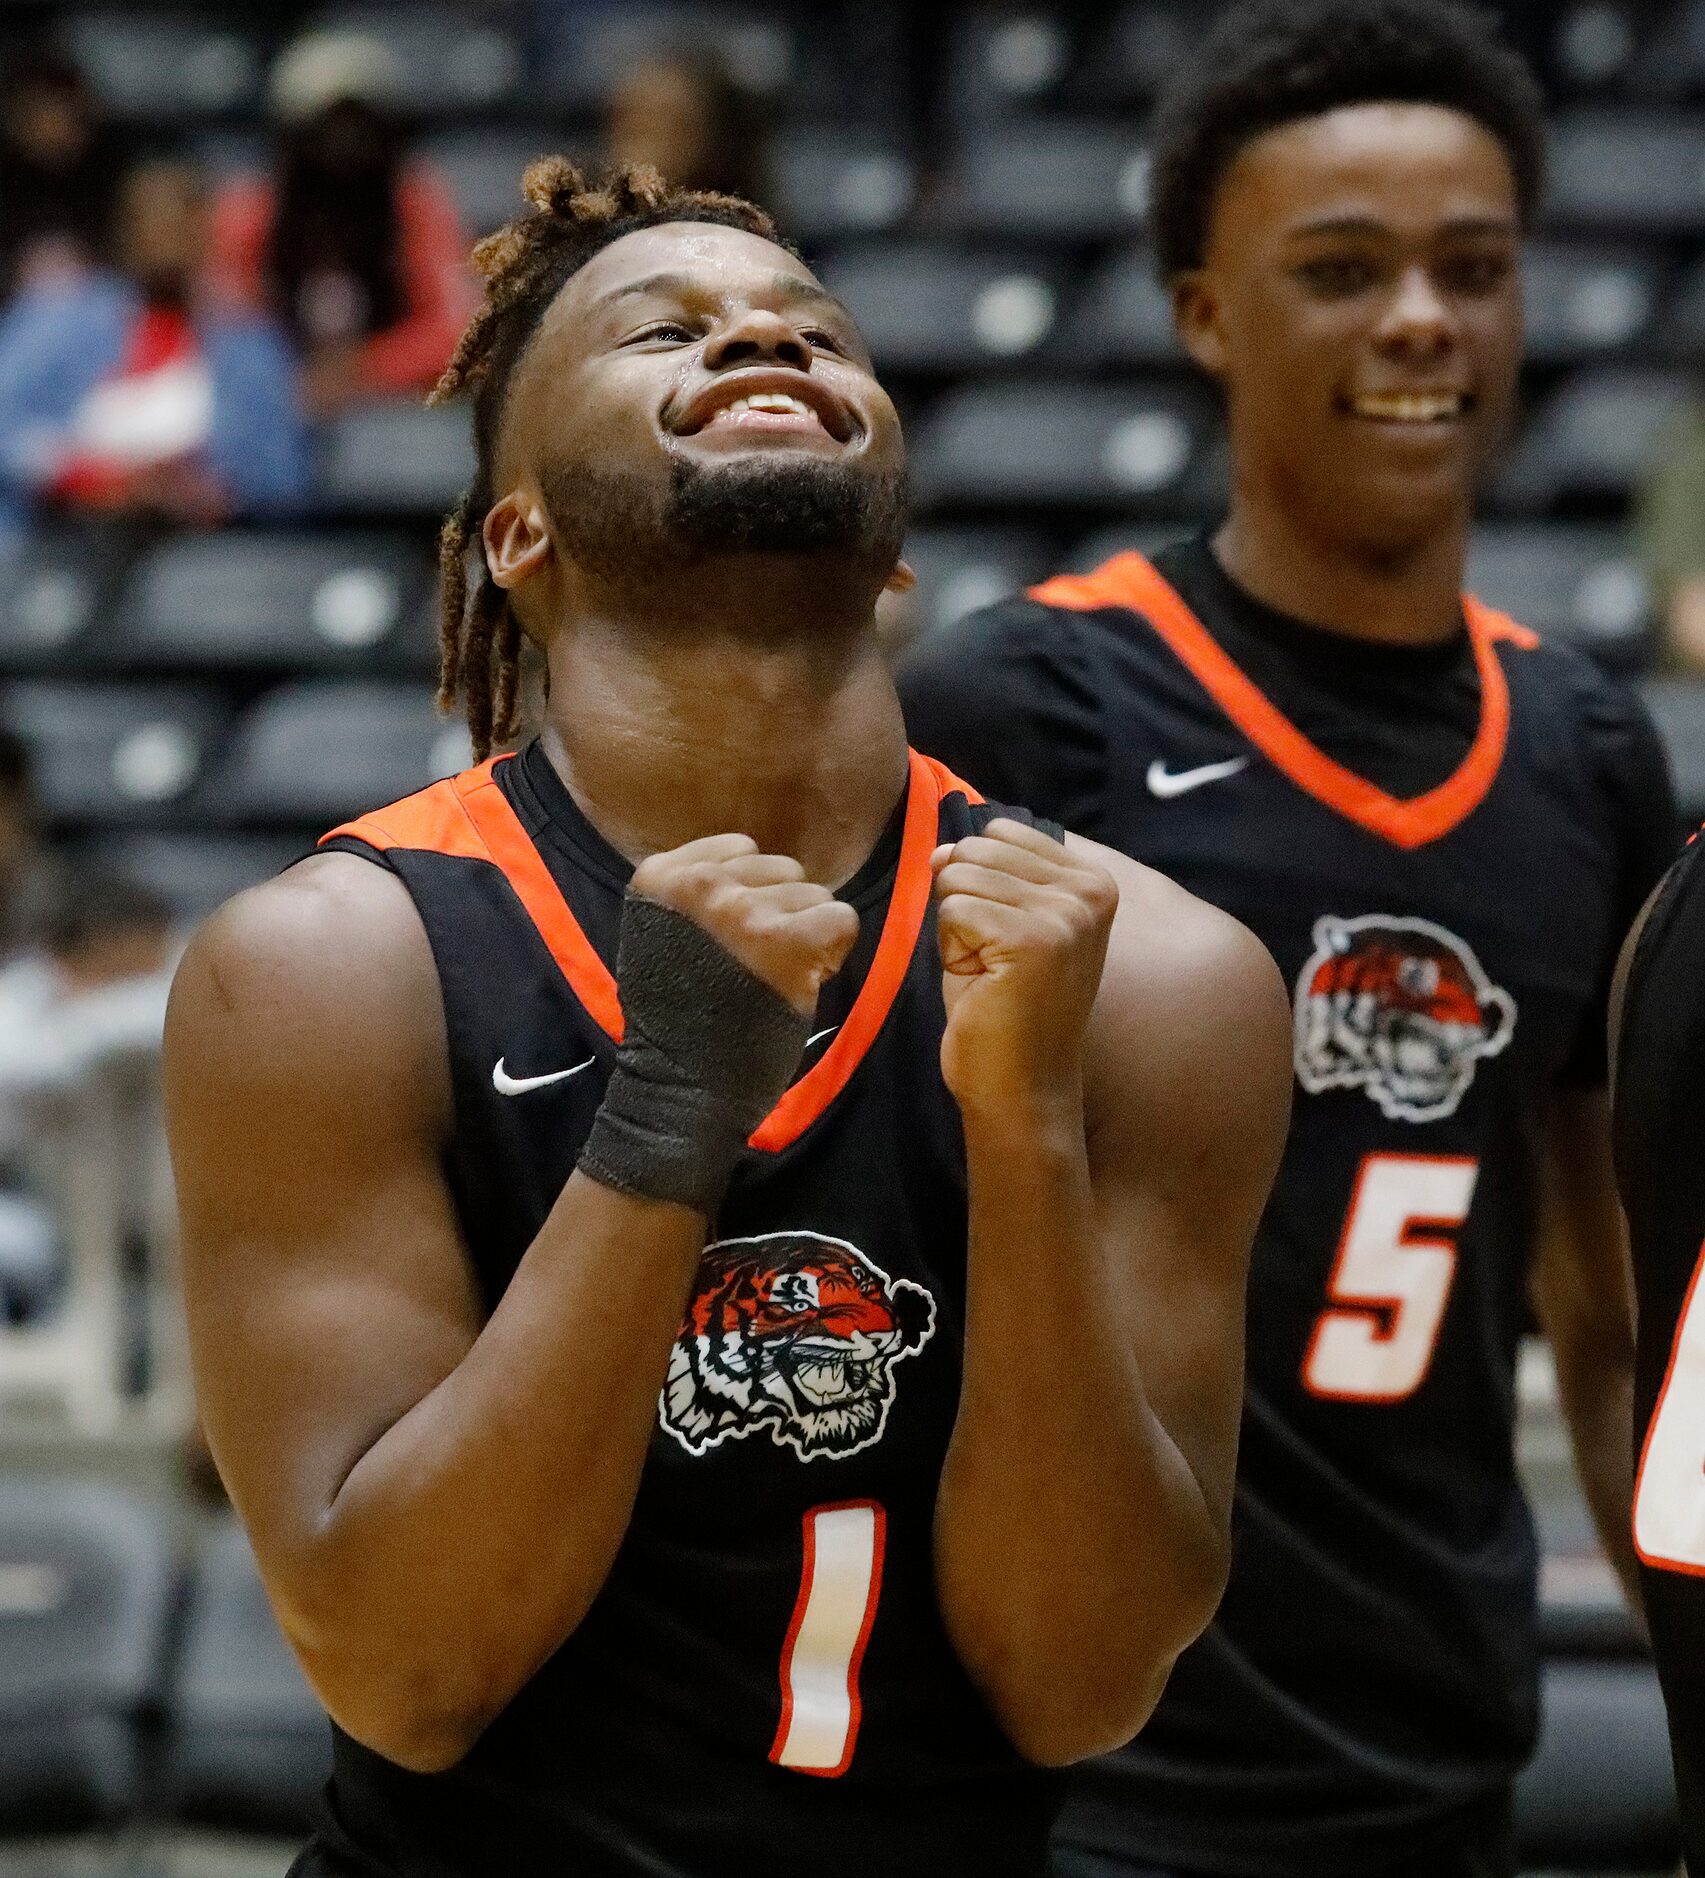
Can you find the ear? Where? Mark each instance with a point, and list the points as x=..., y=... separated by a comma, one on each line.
x=1196, y=316
x=902, y=580
x=517, y=539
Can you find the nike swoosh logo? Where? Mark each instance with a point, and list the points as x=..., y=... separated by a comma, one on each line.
x=506, y=1084
x=1166, y=783
x=818, y=1036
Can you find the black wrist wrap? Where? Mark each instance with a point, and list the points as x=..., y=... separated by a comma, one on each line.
x=707, y=1051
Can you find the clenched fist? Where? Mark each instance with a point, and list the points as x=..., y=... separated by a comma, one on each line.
x=1024, y=926
x=783, y=928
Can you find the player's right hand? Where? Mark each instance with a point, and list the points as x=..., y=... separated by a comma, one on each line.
x=785, y=929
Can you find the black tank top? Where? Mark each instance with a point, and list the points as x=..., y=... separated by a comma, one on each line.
x=764, y=1683
x=1660, y=1098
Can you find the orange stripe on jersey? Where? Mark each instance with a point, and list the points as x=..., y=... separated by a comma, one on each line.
x=1131, y=582
x=469, y=815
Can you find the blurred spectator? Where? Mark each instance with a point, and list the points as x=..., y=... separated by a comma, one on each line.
x=127, y=392
x=94, y=991
x=685, y=116
x=59, y=172
x=1671, y=519
x=29, y=874
x=354, y=246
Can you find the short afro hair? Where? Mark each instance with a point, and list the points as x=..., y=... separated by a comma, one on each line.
x=1271, y=62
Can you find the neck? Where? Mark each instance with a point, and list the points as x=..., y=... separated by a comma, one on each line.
x=669, y=729
x=1402, y=595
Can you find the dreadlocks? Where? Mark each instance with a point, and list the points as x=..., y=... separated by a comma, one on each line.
x=524, y=266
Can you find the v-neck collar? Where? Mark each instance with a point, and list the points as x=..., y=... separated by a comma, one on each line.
x=1130, y=581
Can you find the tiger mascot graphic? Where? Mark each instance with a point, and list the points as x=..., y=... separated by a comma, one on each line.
x=796, y=1333
x=1399, y=1008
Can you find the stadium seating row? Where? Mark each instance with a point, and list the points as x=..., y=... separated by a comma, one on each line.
x=130, y=1684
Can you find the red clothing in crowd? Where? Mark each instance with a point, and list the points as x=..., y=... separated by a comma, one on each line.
x=409, y=355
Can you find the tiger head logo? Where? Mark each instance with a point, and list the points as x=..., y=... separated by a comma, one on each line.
x=1399, y=1008
x=796, y=1333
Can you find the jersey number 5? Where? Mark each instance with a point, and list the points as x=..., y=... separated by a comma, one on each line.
x=1392, y=1279
x=1669, y=1498
x=838, y=1591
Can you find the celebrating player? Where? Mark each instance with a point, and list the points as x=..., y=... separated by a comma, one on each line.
x=1441, y=829
x=1659, y=1096
x=715, y=1260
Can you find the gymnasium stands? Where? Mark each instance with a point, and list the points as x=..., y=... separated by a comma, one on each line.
x=199, y=706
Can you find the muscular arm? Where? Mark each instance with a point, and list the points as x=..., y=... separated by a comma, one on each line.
x=1583, y=1294
x=1082, y=1534
x=435, y=1496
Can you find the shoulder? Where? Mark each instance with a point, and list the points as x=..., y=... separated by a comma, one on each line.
x=67, y=313
x=243, y=208
x=327, y=967
x=1610, y=718
x=1194, y=1021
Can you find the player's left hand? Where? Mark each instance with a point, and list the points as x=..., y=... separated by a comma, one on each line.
x=1024, y=925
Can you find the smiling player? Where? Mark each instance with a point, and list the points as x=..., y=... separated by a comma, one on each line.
x=715, y=1259
x=1441, y=829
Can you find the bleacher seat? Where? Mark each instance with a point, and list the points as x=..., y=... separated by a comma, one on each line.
x=1051, y=179
x=316, y=752
x=1681, y=329
x=483, y=168
x=961, y=569
x=193, y=869
x=1587, y=299
x=449, y=59
x=832, y=183
x=56, y=586
x=1595, y=44
x=256, y=598
x=1065, y=444
x=1666, y=59
x=1004, y=59
x=1627, y=171
x=86, y=1592
x=249, y=1745
x=1123, y=317
x=932, y=307
x=1599, y=1795
x=1677, y=706
x=1140, y=48
x=32, y=1259
x=167, y=69
x=395, y=459
x=1578, y=582
x=114, y=753
x=1594, y=436
x=588, y=50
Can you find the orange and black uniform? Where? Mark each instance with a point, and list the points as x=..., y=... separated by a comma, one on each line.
x=1441, y=847
x=1660, y=1097
x=764, y=1683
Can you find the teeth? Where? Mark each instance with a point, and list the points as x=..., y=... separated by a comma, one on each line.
x=1410, y=407
x=768, y=401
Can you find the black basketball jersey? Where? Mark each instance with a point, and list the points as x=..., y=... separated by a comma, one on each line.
x=1660, y=1097
x=764, y=1683
x=1437, y=847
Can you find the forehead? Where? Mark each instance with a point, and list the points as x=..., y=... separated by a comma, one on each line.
x=1401, y=163
x=699, y=257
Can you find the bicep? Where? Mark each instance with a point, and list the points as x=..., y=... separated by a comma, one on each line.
x=1189, y=1104
x=1581, y=1278
x=325, y=1279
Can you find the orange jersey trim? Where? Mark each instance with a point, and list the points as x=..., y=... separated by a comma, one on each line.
x=469, y=816
x=1132, y=582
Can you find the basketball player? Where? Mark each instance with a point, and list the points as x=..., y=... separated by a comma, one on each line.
x=1441, y=829
x=721, y=1312
x=1659, y=1077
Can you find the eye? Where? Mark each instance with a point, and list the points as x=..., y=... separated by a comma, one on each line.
x=822, y=341
x=1475, y=273
x=1337, y=276
x=669, y=330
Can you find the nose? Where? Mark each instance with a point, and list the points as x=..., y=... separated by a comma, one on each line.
x=754, y=335
x=1419, y=322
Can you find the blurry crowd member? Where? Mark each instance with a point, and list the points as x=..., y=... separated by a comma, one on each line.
x=1441, y=827
x=92, y=990
x=127, y=392
x=354, y=246
x=685, y=116
x=59, y=172
x=1671, y=513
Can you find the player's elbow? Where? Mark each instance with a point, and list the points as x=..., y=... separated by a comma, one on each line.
x=1062, y=1725
x=420, y=1728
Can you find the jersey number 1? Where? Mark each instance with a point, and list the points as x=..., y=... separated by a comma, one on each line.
x=1392, y=1280
x=838, y=1591
x=1669, y=1497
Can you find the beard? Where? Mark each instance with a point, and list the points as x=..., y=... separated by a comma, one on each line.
x=626, y=530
